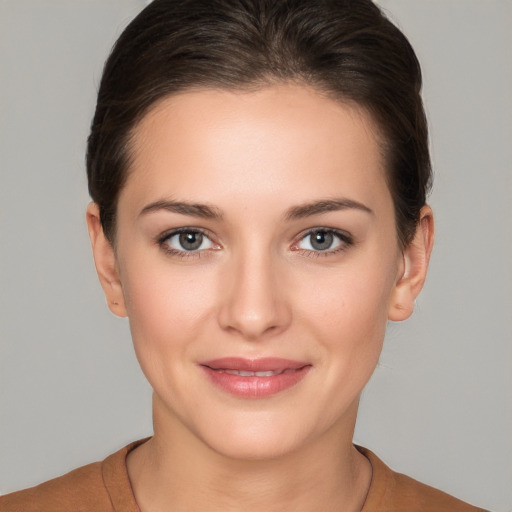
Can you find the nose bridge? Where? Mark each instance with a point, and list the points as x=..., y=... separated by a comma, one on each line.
x=254, y=305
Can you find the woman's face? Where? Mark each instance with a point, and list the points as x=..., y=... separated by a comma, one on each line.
x=256, y=233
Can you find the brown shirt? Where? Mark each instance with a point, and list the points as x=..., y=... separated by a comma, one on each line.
x=105, y=487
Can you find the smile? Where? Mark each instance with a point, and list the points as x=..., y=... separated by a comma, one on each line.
x=254, y=378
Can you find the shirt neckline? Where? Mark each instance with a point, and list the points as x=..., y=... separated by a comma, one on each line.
x=117, y=482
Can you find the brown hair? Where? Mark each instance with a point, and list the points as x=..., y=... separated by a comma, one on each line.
x=346, y=48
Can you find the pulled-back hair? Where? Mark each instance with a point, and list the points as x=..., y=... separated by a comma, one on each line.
x=345, y=48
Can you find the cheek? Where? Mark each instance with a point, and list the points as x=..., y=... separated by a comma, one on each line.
x=349, y=301
x=165, y=306
x=348, y=311
x=168, y=311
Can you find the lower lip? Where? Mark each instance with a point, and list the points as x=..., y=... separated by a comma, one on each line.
x=255, y=387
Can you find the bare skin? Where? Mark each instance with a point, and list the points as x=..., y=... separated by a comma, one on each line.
x=297, y=258
x=301, y=481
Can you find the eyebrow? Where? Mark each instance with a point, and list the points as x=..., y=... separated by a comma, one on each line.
x=203, y=211
x=323, y=206
x=297, y=212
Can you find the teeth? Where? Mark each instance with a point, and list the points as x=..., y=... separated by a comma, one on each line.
x=243, y=373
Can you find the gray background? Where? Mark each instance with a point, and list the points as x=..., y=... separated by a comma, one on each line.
x=439, y=407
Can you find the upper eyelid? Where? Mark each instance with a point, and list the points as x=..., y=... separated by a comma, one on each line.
x=162, y=242
x=342, y=234
x=339, y=232
x=176, y=231
x=346, y=240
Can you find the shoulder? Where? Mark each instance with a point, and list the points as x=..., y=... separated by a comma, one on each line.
x=395, y=492
x=80, y=490
x=98, y=487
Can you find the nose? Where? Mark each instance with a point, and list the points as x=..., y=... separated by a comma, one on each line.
x=254, y=301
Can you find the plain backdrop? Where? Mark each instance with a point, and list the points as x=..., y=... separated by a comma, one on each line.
x=439, y=406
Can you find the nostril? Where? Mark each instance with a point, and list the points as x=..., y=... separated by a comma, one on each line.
x=254, y=324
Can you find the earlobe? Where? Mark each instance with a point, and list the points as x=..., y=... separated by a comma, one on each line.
x=105, y=261
x=413, y=269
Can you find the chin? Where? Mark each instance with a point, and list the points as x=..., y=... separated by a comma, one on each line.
x=265, y=434
x=256, y=445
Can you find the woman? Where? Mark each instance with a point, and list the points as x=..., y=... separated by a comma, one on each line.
x=259, y=173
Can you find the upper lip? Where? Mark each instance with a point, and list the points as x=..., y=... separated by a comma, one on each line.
x=273, y=364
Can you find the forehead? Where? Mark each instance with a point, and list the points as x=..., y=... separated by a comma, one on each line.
x=284, y=139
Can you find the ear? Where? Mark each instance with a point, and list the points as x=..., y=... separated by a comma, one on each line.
x=105, y=261
x=413, y=268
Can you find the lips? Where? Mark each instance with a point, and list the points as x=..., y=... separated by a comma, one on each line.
x=254, y=378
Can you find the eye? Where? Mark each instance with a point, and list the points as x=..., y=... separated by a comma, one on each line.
x=323, y=240
x=187, y=240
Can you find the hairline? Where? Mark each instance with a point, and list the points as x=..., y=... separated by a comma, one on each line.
x=269, y=80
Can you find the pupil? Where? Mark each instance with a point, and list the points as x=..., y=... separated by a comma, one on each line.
x=322, y=240
x=191, y=241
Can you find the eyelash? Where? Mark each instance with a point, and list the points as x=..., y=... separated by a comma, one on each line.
x=345, y=241
x=183, y=254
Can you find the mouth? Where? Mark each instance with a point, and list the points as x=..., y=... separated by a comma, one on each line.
x=254, y=378
x=242, y=373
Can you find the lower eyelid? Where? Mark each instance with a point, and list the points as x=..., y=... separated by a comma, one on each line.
x=322, y=254
x=163, y=243
x=344, y=241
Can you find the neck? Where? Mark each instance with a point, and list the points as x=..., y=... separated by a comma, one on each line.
x=176, y=471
